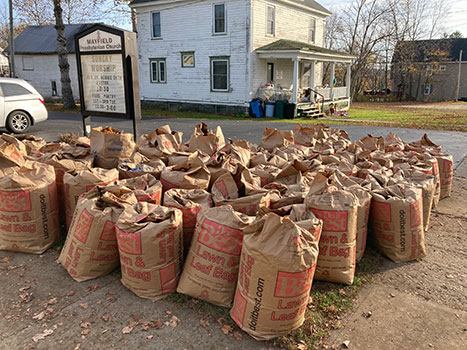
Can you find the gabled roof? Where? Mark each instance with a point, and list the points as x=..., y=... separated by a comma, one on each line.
x=290, y=45
x=437, y=50
x=308, y=3
x=43, y=39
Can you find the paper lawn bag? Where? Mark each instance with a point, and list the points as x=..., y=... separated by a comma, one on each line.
x=397, y=222
x=191, y=174
x=446, y=173
x=111, y=146
x=161, y=142
x=337, y=246
x=190, y=202
x=273, y=138
x=146, y=188
x=211, y=267
x=206, y=141
x=79, y=182
x=90, y=248
x=276, y=272
x=29, y=219
x=149, y=241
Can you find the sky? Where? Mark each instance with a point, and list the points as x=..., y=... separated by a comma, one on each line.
x=456, y=18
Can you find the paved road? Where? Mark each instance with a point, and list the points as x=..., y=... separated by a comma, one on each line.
x=454, y=143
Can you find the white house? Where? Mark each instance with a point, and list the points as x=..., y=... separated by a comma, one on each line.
x=36, y=58
x=218, y=55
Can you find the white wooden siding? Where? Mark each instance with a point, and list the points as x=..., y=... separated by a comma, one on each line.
x=45, y=69
x=292, y=23
x=188, y=27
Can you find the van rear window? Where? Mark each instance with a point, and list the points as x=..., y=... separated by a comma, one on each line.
x=12, y=89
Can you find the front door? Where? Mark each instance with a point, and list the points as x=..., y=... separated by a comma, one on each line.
x=270, y=73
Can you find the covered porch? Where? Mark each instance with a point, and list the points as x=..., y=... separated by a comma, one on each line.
x=303, y=69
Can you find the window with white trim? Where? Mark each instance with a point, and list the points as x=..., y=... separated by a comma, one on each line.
x=219, y=19
x=156, y=25
x=312, y=34
x=158, y=71
x=220, y=75
x=271, y=20
x=427, y=89
x=442, y=67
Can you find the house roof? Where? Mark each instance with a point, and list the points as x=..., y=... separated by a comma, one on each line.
x=437, y=50
x=284, y=44
x=309, y=3
x=43, y=39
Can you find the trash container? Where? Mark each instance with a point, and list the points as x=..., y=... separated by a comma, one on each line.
x=270, y=109
x=257, y=108
x=289, y=111
x=279, y=109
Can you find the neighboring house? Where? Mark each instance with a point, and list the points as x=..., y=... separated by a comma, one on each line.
x=36, y=58
x=429, y=69
x=216, y=55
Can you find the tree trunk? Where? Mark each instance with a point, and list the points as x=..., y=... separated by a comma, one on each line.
x=67, y=93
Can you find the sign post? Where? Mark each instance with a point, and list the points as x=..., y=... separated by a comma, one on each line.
x=107, y=64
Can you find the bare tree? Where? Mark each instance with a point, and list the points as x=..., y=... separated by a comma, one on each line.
x=67, y=93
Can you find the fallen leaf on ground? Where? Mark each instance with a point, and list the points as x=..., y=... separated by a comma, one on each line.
x=173, y=322
x=84, y=306
x=39, y=316
x=168, y=312
x=69, y=294
x=111, y=299
x=41, y=336
x=85, y=331
x=203, y=322
x=238, y=335
x=94, y=287
x=221, y=321
x=345, y=344
x=106, y=318
x=26, y=297
x=226, y=329
x=156, y=324
x=84, y=324
x=127, y=330
x=149, y=337
x=302, y=346
x=24, y=288
x=77, y=346
x=5, y=259
x=52, y=301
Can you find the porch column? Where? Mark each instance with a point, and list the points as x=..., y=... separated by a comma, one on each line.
x=349, y=72
x=331, y=83
x=295, y=80
x=312, y=78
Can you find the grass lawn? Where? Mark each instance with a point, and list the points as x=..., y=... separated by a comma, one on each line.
x=439, y=116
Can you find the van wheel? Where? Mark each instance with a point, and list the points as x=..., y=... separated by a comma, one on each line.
x=18, y=122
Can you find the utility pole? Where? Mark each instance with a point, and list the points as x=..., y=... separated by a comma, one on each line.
x=12, y=44
x=459, y=76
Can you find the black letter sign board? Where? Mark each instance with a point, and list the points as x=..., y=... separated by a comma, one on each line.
x=108, y=75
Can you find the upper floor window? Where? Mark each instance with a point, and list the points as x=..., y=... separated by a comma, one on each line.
x=156, y=24
x=442, y=67
x=28, y=63
x=219, y=25
x=271, y=21
x=312, y=36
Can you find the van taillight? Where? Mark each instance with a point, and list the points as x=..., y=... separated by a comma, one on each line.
x=42, y=101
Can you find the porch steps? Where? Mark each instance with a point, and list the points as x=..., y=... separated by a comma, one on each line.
x=309, y=112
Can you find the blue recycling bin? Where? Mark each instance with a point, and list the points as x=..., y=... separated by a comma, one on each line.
x=257, y=108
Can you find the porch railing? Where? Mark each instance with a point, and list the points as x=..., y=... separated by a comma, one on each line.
x=339, y=92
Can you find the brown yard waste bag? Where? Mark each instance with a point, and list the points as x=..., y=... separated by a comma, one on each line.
x=337, y=246
x=161, y=142
x=12, y=152
x=29, y=218
x=446, y=173
x=277, y=265
x=111, y=146
x=81, y=181
x=249, y=205
x=191, y=174
x=238, y=151
x=190, y=202
x=90, y=249
x=273, y=138
x=397, y=222
x=128, y=169
x=32, y=143
x=149, y=241
x=206, y=141
x=146, y=188
x=211, y=267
